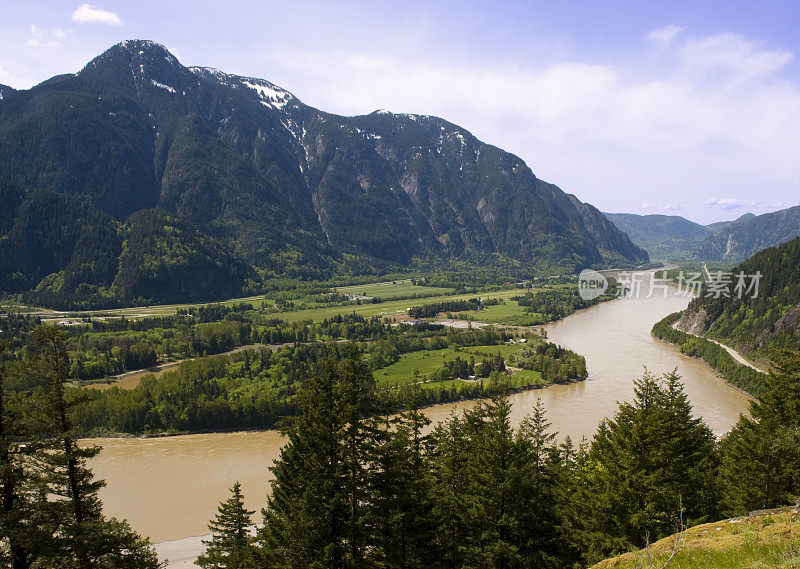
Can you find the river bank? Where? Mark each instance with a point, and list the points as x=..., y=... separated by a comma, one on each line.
x=169, y=487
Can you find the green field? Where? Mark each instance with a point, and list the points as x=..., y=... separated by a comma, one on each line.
x=385, y=308
x=393, y=289
x=367, y=309
x=412, y=366
x=136, y=311
x=509, y=313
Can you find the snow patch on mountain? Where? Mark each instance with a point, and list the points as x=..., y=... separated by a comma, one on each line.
x=271, y=95
x=162, y=86
x=213, y=73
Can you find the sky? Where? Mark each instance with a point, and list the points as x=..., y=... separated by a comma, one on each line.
x=684, y=108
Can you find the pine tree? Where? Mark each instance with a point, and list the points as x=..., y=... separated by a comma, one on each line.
x=231, y=545
x=650, y=467
x=449, y=457
x=315, y=516
x=494, y=471
x=541, y=540
x=69, y=508
x=399, y=518
x=761, y=454
x=16, y=527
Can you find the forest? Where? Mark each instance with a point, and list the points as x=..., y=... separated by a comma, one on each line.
x=257, y=388
x=476, y=492
x=472, y=492
x=764, y=319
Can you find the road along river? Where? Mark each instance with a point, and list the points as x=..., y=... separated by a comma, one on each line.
x=168, y=488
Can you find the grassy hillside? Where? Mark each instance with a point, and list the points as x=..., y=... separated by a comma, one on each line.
x=771, y=540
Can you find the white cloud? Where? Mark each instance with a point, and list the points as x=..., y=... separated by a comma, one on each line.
x=665, y=35
x=3, y=73
x=88, y=14
x=43, y=38
x=730, y=203
x=733, y=57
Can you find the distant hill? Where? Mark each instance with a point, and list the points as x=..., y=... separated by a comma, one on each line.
x=675, y=238
x=747, y=236
x=770, y=320
x=247, y=170
x=720, y=225
x=667, y=237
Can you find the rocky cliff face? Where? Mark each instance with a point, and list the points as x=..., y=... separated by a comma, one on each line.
x=693, y=322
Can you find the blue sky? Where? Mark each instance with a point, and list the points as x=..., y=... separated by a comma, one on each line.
x=690, y=108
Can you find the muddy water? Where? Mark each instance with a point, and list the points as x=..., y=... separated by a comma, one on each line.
x=168, y=488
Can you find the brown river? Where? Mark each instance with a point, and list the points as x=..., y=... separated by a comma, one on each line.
x=168, y=488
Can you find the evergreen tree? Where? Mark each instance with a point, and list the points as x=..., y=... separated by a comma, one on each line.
x=230, y=546
x=571, y=493
x=17, y=532
x=400, y=519
x=761, y=455
x=649, y=469
x=543, y=541
x=68, y=507
x=494, y=472
x=314, y=516
x=449, y=456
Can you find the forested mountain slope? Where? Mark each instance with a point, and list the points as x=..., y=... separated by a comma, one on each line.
x=668, y=236
x=283, y=187
x=760, y=324
x=72, y=254
x=745, y=237
x=720, y=225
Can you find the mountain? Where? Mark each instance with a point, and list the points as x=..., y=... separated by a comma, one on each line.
x=720, y=225
x=669, y=237
x=283, y=188
x=748, y=235
x=757, y=324
x=5, y=90
x=663, y=236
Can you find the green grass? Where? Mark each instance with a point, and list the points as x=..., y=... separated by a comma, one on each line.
x=393, y=289
x=384, y=308
x=760, y=542
x=368, y=309
x=509, y=313
x=425, y=363
x=142, y=311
